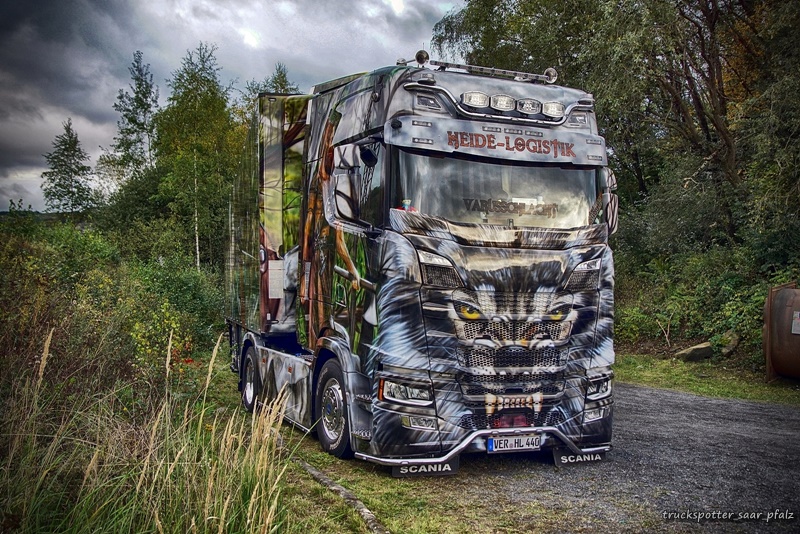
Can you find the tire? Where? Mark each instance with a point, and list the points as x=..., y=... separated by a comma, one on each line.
x=251, y=382
x=333, y=425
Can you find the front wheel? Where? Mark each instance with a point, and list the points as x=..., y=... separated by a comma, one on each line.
x=251, y=383
x=333, y=426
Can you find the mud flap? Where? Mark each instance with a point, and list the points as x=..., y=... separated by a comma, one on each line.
x=426, y=470
x=567, y=457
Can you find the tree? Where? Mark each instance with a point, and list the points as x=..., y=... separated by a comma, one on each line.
x=133, y=145
x=67, y=184
x=277, y=82
x=193, y=147
x=665, y=76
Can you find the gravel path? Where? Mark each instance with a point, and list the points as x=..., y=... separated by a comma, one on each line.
x=674, y=453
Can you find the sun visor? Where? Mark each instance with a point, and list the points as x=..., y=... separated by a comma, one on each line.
x=495, y=140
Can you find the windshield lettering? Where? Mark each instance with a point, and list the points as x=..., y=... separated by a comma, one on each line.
x=493, y=191
x=503, y=206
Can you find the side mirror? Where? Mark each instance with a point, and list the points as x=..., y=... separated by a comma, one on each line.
x=368, y=157
x=611, y=211
x=610, y=178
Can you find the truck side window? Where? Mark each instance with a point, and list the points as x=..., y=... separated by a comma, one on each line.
x=358, y=195
x=372, y=197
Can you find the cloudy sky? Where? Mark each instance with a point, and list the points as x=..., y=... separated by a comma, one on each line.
x=63, y=59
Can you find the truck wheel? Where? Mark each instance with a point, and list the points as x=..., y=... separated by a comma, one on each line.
x=251, y=384
x=333, y=427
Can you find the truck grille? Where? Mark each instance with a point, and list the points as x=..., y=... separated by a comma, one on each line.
x=511, y=357
x=526, y=303
x=544, y=383
x=512, y=330
x=482, y=421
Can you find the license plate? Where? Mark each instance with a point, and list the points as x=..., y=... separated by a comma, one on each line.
x=515, y=443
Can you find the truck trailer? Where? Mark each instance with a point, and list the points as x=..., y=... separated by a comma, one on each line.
x=418, y=258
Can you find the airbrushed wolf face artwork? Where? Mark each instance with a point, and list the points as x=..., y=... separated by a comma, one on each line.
x=419, y=257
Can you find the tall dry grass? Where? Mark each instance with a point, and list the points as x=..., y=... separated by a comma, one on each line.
x=86, y=468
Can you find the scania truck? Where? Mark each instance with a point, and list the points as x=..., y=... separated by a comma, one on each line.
x=418, y=258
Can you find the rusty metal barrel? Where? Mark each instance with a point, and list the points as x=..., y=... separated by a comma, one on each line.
x=782, y=331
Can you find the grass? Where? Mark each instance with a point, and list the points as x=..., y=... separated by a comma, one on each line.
x=711, y=378
x=188, y=468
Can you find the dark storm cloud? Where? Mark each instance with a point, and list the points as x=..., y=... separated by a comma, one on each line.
x=355, y=35
x=63, y=59
x=62, y=52
x=58, y=59
x=15, y=192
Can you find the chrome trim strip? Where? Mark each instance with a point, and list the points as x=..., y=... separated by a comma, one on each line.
x=411, y=86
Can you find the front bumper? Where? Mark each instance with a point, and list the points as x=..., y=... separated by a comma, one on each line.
x=475, y=435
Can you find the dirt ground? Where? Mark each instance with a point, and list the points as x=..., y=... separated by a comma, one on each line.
x=680, y=463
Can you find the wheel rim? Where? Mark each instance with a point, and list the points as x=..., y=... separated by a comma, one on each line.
x=249, y=383
x=333, y=410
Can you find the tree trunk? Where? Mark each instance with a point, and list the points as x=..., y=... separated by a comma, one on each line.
x=196, y=217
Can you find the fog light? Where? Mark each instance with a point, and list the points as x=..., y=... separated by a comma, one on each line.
x=594, y=414
x=418, y=423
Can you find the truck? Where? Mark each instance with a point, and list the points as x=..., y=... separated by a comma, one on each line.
x=418, y=259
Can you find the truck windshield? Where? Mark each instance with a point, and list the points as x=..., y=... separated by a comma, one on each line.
x=495, y=191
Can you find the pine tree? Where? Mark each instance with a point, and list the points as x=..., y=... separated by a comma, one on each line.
x=134, y=144
x=66, y=185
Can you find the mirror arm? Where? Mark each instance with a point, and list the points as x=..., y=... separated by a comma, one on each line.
x=370, y=231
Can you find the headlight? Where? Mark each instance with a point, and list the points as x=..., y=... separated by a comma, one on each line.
x=403, y=393
x=475, y=99
x=589, y=265
x=585, y=276
x=433, y=259
x=599, y=389
x=529, y=106
x=438, y=270
x=501, y=102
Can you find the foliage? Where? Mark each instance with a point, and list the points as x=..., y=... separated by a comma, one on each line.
x=101, y=427
x=277, y=82
x=133, y=144
x=86, y=466
x=692, y=97
x=168, y=172
x=67, y=184
x=195, y=149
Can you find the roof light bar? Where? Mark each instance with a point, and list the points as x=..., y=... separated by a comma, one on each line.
x=502, y=102
x=529, y=106
x=475, y=99
x=553, y=109
x=550, y=75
